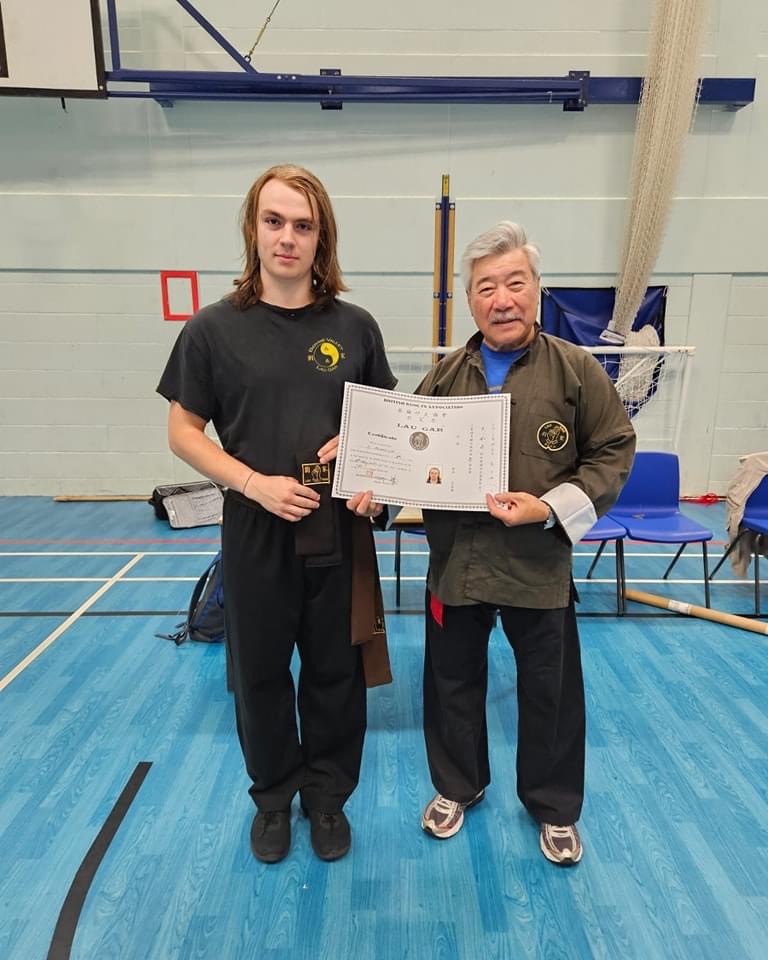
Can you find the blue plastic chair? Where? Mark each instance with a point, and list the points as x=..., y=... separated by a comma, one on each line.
x=755, y=520
x=649, y=508
x=603, y=532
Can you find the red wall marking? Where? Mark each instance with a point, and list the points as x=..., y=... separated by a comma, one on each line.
x=191, y=275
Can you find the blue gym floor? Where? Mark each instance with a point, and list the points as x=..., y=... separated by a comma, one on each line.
x=674, y=823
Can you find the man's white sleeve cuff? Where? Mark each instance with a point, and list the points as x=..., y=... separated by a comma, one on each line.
x=574, y=510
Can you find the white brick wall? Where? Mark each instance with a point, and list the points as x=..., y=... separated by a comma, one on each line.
x=95, y=201
x=742, y=414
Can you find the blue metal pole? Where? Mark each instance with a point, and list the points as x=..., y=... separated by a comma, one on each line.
x=213, y=32
x=731, y=93
x=114, y=40
x=442, y=323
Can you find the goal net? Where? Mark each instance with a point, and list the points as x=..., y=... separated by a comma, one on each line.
x=651, y=381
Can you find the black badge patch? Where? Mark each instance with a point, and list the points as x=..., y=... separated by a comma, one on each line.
x=552, y=435
x=315, y=474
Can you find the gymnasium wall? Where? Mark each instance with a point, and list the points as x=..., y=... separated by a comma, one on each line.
x=96, y=199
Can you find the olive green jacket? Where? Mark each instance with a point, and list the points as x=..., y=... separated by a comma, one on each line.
x=571, y=443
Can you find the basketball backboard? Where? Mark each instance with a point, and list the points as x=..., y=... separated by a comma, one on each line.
x=51, y=47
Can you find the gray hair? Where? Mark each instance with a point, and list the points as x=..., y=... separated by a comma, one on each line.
x=503, y=238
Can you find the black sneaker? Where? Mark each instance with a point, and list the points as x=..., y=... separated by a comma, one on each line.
x=271, y=835
x=330, y=833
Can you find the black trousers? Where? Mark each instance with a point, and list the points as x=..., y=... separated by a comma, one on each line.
x=550, y=701
x=274, y=602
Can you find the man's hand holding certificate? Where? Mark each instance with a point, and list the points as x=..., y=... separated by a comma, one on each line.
x=442, y=453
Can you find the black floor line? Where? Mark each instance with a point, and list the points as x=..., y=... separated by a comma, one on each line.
x=64, y=934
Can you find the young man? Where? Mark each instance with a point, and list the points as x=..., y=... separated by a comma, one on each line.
x=267, y=366
x=571, y=448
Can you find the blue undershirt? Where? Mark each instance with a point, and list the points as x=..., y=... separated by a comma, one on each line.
x=497, y=364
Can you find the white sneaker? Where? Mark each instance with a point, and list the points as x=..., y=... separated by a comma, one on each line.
x=561, y=845
x=443, y=817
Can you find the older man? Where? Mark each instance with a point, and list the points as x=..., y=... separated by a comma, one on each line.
x=571, y=448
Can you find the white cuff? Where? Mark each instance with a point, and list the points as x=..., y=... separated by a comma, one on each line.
x=574, y=510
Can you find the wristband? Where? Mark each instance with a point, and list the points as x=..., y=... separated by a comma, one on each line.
x=247, y=479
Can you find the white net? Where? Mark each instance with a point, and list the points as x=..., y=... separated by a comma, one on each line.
x=651, y=381
x=667, y=103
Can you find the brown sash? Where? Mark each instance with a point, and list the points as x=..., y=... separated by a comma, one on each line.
x=367, y=617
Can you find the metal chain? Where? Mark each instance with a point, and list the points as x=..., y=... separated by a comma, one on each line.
x=261, y=32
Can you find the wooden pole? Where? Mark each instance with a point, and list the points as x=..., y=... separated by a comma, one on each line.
x=436, y=279
x=689, y=609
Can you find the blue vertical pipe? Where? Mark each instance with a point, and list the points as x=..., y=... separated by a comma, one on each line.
x=442, y=321
x=114, y=39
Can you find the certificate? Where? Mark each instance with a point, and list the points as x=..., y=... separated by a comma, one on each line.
x=442, y=453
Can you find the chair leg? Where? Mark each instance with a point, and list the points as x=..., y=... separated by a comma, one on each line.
x=398, y=536
x=757, y=576
x=597, y=557
x=727, y=554
x=677, y=557
x=621, y=582
x=706, y=574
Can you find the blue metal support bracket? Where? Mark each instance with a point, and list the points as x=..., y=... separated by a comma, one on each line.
x=332, y=90
x=213, y=32
x=114, y=38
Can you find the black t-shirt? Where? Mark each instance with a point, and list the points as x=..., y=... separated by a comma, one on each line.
x=272, y=379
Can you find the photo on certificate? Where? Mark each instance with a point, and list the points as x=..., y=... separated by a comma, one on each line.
x=438, y=453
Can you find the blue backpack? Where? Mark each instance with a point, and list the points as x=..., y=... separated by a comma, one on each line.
x=205, y=616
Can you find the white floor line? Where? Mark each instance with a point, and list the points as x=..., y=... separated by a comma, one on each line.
x=671, y=582
x=106, y=553
x=156, y=579
x=693, y=555
x=54, y=579
x=52, y=637
x=381, y=553
x=384, y=577
x=96, y=579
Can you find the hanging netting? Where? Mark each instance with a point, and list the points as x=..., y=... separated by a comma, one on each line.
x=667, y=104
x=651, y=381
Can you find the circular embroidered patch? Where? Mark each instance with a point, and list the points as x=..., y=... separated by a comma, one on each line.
x=552, y=435
x=325, y=354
